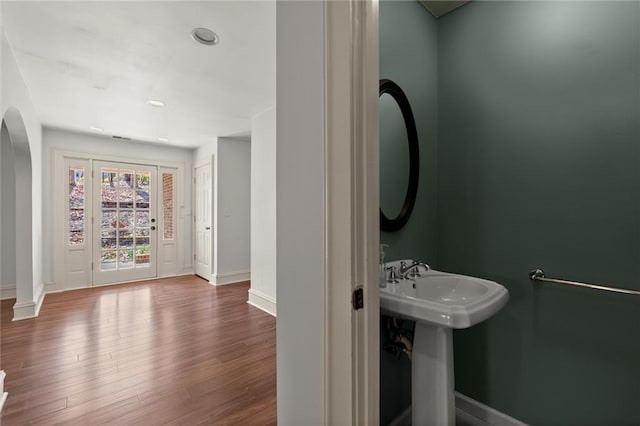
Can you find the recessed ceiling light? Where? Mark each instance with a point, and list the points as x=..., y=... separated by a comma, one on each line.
x=205, y=36
x=155, y=103
x=163, y=139
x=96, y=129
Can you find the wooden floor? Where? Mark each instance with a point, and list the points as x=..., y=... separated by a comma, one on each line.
x=170, y=351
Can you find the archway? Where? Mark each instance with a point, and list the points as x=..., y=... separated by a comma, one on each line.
x=16, y=250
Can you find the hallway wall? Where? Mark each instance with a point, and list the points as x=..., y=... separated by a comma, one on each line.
x=230, y=207
x=16, y=95
x=300, y=211
x=232, y=211
x=8, y=217
x=263, y=211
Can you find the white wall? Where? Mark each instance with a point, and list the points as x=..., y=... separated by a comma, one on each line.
x=14, y=94
x=96, y=144
x=300, y=211
x=263, y=211
x=8, y=217
x=4, y=135
x=232, y=224
x=205, y=153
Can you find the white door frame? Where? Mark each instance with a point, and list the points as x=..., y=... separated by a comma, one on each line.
x=352, y=218
x=58, y=178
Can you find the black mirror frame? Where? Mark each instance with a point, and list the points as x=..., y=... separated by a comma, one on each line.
x=395, y=224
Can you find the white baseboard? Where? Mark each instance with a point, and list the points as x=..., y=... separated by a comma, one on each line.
x=40, y=299
x=52, y=288
x=262, y=301
x=30, y=309
x=230, y=278
x=485, y=414
x=404, y=419
x=3, y=394
x=7, y=293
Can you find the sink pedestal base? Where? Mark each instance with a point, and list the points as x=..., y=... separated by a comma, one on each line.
x=432, y=386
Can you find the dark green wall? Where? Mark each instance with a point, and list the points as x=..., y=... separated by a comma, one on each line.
x=539, y=166
x=534, y=161
x=408, y=56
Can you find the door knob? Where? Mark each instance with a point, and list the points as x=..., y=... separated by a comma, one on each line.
x=207, y=228
x=153, y=228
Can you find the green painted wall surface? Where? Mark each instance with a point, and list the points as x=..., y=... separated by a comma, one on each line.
x=539, y=166
x=408, y=54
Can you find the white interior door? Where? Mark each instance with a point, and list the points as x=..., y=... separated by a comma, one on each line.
x=203, y=206
x=124, y=222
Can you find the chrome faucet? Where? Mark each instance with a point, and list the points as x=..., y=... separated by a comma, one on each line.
x=412, y=271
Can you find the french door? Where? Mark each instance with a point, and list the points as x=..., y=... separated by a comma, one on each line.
x=124, y=224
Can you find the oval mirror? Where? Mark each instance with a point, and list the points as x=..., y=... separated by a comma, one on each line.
x=399, y=157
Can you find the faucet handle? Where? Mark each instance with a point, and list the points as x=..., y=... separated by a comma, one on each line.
x=393, y=278
x=414, y=273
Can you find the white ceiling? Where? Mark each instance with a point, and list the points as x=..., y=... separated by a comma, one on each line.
x=96, y=63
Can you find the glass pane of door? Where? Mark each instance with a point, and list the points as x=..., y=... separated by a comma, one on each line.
x=167, y=206
x=76, y=206
x=127, y=220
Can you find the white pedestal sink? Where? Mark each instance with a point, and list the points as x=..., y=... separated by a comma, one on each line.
x=438, y=302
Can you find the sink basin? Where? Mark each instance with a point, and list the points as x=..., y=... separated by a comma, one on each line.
x=441, y=298
x=438, y=302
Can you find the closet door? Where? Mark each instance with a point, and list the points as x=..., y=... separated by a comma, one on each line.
x=203, y=232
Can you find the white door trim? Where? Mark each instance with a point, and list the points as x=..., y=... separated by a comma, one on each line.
x=351, y=388
x=115, y=158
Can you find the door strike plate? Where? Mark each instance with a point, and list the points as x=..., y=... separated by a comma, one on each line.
x=357, y=298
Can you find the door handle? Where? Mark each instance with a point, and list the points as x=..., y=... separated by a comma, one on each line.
x=153, y=228
x=207, y=228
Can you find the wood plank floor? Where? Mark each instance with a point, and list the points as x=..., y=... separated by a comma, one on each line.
x=169, y=351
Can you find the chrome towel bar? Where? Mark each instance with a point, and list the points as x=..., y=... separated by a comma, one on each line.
x=538, y=275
